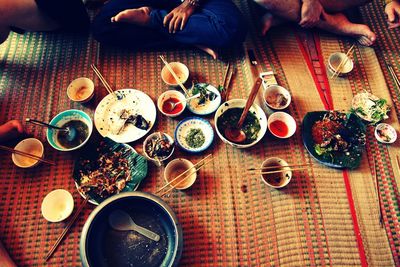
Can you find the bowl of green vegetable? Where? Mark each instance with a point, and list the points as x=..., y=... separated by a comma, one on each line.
x=254, y=126
x=194, y=134
x=208, y=101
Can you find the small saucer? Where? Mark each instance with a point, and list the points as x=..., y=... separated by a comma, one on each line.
x=385, y=133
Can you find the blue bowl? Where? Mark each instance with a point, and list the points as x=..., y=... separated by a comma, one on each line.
x=102, y=246
x=62, y=118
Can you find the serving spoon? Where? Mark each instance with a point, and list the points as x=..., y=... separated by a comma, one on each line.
x=121, y=221
x=70, y=131
x=171, y=105
x=235, y=133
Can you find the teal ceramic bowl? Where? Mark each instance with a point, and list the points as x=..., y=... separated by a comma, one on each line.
x=60, y=120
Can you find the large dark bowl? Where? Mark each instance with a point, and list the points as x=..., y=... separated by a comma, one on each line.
x=100, y=245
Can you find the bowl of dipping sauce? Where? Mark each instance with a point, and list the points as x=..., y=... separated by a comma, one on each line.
x=175, y=168
x=181, y=71
x=75, y=119
x=158, y=146
x=336, y=59
x=277, y=97
x=57, y=205
x=279, y=175
x=168, y=104
x=281, y=124
x=254, y=126
x=31, y=146
x=385, y=133
x=80, y=90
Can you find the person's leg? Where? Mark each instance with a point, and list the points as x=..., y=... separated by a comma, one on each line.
x=11, y=129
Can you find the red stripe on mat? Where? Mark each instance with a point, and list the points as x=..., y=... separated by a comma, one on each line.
x=357, y=232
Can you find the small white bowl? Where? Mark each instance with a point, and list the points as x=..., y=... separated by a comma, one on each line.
x=32, y=146
x=154, y=137
x=193, y=124
x=276, y=180
x=208, y=106
x=277, y=97
x=385, y=133
x=175, y=168
x=80, y=90
x=171, y=95
x=180, y=70
x=57, y=205
x=334, y=61
x=281, y=124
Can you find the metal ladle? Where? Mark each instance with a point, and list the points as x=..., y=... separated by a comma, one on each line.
x=236, y=134
x=71, y=132
x=121, y=221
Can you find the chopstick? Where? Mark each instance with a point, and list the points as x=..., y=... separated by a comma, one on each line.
x=342, y=63
x=394, y=76
x=103, y=80
x=228, y=91
x=64, y=232
x=279, y=166
x=26, y=154
x=378, y=194
x=198, y=164
x=174, y=75
x=284, y=170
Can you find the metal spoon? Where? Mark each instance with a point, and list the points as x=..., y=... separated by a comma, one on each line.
x=71, y=132
x=121, y=221
x=172, y=105
x=236, y=134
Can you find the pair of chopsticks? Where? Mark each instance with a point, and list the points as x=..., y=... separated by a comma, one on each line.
x=103, y=80
x=9, y=149
x=343, y=62
x=273, y=169
x=229, y=71
x=66, y=229
x=185, y=175
x=391, y=70
x=185, y=90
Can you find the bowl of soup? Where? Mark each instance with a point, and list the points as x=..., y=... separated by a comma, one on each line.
x=80, y=127
x=254, y=126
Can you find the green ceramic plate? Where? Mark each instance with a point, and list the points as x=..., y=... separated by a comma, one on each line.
x=89, y=162
x=354, y=130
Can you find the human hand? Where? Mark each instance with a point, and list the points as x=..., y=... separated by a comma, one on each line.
x=392, y=10
x=177, y=18
x=311, y=11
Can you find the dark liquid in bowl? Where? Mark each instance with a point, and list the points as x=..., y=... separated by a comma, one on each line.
x=81, y=133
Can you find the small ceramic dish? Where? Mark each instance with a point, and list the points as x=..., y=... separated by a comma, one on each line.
x=80, y=90
x=279, y=179
x=77, y=119
x=169, y=98
x=32, y=146
x=385, y=133
x=277, y=97
x=281, y=124
x=175, y=168
x=208, y=102
x=158, y=147
x=180, y=70
x=335, y=60
x=194, y=134
x=57, y=205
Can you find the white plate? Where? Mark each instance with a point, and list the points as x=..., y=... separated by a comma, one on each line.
x=107, y=115
x=208, y=107
x=183, y=128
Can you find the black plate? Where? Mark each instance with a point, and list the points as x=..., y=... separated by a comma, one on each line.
x=338, y=160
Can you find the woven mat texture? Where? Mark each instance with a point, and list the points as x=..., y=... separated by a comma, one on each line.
x=229, y=217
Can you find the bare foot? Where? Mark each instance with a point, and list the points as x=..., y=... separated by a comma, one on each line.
x=209, y=51
x=268, y=21
x=11, y=130
x=138, y=16
x=338, y=23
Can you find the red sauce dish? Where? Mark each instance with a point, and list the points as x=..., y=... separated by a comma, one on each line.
x=281, y=124
x=279, y=128
x=169, y=106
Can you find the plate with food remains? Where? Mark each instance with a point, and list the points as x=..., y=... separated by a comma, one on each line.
x=108, y=168
x=208, y=101
x=369, y=107
x=125, y=116
x=334, y=139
